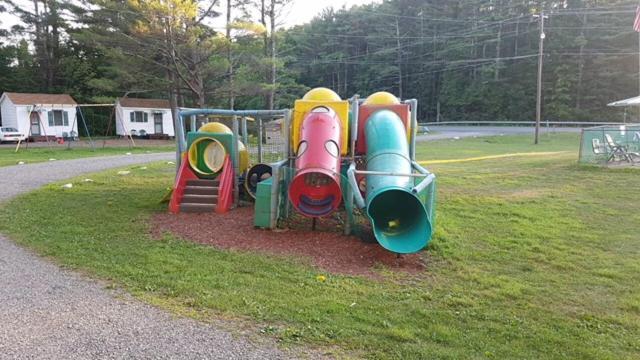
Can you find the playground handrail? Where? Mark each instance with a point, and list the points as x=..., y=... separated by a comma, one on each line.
x=351, y=176
x=424, y=183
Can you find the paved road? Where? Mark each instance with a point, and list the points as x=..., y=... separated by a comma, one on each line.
x=50, y=313
x=451, y=132
x=112, y=142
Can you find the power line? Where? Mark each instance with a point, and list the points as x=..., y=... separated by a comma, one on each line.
x=589, y=12
x=595, y=53
x=437, y=62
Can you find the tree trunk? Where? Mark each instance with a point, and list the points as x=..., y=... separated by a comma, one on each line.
x=201, y=92
x=53, y=46
x=580, y=65
x=346, y=77
x=515, y=43
x=265, y=40
x=232, y=96
x=272, y=88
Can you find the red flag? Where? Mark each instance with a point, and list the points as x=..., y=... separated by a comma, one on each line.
x=636, y=23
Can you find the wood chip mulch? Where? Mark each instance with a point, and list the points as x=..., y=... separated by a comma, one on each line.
x=326, y=247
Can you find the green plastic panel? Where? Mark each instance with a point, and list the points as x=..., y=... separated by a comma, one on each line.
x=262, y=209
x=226, y=140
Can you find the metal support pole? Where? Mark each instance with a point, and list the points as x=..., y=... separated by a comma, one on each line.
x=84, y=122
x=348, y=192
x=180, y=141
x=236, y=161
x=245, y=133
x=287, y=154
x=192, y=123
x=287, y=134
x=73, y=125
x=390, y=173
x=355, y=111
x=275, y=193
x=226, y=112
x=541, y=18
x=357, y=196
x=259, y=140
x=413, y=104
x=348, y=208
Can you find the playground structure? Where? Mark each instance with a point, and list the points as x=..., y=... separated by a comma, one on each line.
x=611, y=145
x=351, y=159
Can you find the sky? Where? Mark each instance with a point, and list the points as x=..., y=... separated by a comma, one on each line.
x=301, y=11
x=298, y=12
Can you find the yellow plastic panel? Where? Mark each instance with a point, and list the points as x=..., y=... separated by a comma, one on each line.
x=302, y=107
x=382, y=98
x=321, y=94
x=244, y=157
x=215, y=127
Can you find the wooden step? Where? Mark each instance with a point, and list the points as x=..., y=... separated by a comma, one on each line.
x=200, y=190
x=197, y=208
x=200, y=199
x=203, y=182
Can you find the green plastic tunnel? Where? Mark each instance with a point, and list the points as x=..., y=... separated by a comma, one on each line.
x=399, y=219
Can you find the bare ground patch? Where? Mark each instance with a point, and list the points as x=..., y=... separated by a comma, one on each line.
x=326, y=247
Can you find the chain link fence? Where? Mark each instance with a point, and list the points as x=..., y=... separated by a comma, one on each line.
x=611, y=145
x=265, y=139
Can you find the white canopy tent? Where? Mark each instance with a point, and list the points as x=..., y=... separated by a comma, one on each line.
x=634, y=101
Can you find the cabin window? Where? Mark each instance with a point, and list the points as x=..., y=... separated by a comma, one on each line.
x=139, y=117
x=58, y=118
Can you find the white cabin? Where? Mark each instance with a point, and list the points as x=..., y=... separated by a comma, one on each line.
x=40, y=115
x=142, y=117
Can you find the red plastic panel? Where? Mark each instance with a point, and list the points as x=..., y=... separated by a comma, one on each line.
x=184, y=174
x=225, y=189
x=365, y=112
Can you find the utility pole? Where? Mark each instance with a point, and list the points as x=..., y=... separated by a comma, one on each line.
x=541, y=18
x=399, y=58
x=496, y=74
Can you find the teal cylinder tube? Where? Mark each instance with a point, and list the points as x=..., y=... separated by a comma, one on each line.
x=399, y=218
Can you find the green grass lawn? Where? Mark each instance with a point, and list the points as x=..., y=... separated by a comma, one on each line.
x=8, y=156
x=533, y=257
x=496, y=145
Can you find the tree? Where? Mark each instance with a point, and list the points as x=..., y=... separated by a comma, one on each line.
x=270, y=13
x=46, y=25
x=167, y=38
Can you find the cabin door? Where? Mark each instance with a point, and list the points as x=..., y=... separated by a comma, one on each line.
x=34, y=120
x=157, y=121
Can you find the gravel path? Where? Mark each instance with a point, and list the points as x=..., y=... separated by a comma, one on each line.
x=50, y=313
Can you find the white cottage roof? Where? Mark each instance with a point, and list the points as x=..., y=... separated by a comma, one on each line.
x=634, y=101
x=144, y=103
x=40, y=99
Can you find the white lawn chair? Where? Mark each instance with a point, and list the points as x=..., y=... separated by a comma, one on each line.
x=619, y=152
x=598, y=147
